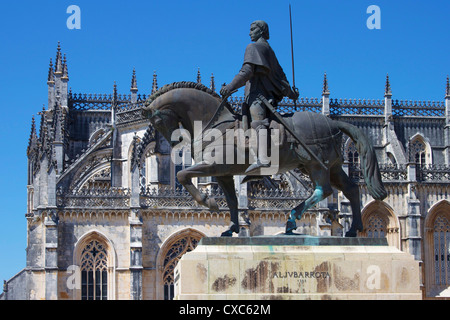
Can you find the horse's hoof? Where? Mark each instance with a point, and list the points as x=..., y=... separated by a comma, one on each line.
x=350, y=234
x=229, y=232
x=290, y=226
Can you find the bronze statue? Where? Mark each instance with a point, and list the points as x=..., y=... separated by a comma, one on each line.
x=261, y=74
x=187, y=102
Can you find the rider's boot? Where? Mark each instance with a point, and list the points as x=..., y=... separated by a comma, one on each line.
x=259, y=149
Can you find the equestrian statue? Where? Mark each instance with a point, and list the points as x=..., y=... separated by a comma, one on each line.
x=307, y=141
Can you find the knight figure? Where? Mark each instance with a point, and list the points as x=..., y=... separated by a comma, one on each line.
x=261, y=74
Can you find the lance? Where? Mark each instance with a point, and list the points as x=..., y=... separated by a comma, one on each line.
x=292, y=55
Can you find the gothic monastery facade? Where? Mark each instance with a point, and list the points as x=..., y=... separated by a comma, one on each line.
x=107, y=218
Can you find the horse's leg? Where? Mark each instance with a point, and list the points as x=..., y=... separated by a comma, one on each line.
x=227, y=185
x=341, y=181
x=200, y=170
x=322, y=189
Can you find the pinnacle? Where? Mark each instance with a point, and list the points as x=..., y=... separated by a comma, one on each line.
x=134, y=81
x=199, y=77
x=325, y=89
x=212, y=84
x=387, y=90
x=447, y=89
x=155, y=83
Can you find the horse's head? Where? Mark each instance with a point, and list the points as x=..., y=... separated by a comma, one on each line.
x=164, y=120
x=180, y=103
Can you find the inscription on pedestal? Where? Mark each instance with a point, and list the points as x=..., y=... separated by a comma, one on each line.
x=297, y=272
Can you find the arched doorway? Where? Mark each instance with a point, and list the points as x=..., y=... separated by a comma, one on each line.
x=171, y=252
x=437, y=250
x=379, y=221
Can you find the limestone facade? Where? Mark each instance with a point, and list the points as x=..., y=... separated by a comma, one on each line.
x=106, y=218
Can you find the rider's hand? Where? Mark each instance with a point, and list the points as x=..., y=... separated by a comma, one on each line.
x=225, y=91
x=294, y=94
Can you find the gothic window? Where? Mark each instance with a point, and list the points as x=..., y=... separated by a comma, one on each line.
x=376, y=227
x=94, y=271
x=352, y=154
x=417, y=151
x=183, y=155
x=379, y=222
x=173, y=255
x=441, y=247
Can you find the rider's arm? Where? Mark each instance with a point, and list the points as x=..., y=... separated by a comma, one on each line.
x=245, y=74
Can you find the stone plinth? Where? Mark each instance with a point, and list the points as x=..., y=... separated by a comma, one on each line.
x=296, y=267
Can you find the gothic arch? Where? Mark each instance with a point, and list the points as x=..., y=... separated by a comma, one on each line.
x=417, y=146
x=90, y=166
x=132, y=157
x=350, y=153
x=95, y=240
x=171, y=251
x=102, y=171
x=147, y=163
x=437, y=249
x=391, y=158
x=380, y=221
x=96, y=135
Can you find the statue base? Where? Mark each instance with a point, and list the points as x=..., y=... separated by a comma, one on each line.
x=296, y=267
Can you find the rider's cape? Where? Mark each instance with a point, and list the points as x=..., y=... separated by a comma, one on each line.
x=269, y=76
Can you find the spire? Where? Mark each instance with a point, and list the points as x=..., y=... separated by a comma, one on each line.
x=32, y=142
x=42, y=129
x=51, y=74
x=325, y=96
x=447, y=89
x=199, y=77
x=115, y=92
x=155, y=83
x=325, y=89
x=387, y=90
x=212, y=84
x=58, y=123
x=64, y=69
x=134, y=87
x=58, y=62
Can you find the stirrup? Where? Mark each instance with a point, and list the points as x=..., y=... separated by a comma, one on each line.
x=256, y=166
x=251, y=178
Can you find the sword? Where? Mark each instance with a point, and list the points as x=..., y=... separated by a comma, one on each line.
x=290, y=130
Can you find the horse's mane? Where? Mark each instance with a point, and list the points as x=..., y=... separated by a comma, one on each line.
x=180, y=85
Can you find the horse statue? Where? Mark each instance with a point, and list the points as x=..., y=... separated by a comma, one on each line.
x=186, y=104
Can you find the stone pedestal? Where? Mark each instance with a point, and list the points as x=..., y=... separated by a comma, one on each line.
x=296, y=267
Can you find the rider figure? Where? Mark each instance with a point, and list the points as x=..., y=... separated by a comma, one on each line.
x=262, y=74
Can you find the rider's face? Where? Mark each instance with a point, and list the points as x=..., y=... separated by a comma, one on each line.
x=255, y=32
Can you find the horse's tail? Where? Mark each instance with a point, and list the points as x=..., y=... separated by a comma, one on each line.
x=368, y=159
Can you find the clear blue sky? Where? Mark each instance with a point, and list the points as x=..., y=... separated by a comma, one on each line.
x=176, y=37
